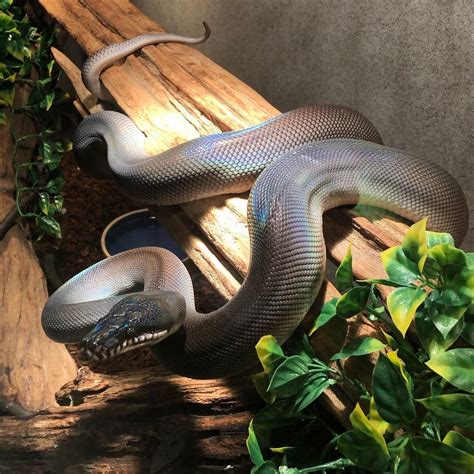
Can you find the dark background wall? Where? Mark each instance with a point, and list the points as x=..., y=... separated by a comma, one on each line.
x=407, y=65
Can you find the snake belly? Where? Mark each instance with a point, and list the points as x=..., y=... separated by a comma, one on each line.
x=299, y=165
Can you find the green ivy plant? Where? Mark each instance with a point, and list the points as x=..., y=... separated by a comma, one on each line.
x=25, y=59
x=415, y=415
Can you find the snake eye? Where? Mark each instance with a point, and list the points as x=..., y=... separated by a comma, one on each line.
x=137, y=320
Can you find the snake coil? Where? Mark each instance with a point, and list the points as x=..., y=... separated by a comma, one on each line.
x=299, y=165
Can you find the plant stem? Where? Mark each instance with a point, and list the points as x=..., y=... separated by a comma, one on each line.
x=337, y=464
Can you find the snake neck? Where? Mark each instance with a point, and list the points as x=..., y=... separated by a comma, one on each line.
x=124, y=141
x=212, y=165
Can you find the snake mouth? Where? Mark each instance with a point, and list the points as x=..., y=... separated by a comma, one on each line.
x=100, y=353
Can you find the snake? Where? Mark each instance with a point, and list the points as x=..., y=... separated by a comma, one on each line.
x=296, y=165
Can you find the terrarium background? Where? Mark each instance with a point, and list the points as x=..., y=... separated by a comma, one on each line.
x=407, y=66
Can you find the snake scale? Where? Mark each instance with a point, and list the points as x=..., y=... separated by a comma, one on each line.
x=297, y=165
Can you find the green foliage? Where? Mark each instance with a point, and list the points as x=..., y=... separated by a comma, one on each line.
x=408, y=419
x=26, y=61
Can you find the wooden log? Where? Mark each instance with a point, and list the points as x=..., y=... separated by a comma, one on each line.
x=32, y=367
x=144, y=421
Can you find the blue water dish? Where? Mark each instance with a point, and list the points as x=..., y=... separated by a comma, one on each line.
x=137, y=229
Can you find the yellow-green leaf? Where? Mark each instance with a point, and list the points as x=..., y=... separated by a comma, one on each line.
x=352, y=302
x=458, y=441
x=282, y=449
x=390, y=340
x=456, y=366
x=435, y=457
x=344, y=272
x=375, y=419
x=395, y=360
x=269, y=353
x=414, y=244
x=441, y=255
x=452, y=408
x=398, y=266
x=253, y=447
x=431, y=339
x=360, y=422
x=435, y=238
x=402, y=304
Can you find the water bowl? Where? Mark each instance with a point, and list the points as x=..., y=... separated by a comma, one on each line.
x=137, y=229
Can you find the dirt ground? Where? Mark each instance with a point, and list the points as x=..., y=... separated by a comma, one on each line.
x=90, y=204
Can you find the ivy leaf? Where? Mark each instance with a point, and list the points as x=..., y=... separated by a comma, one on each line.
x=7, y=95
x=468, y=331
x=392, y=397
x=269, y=353
x=49, y=225
x=344, y=278
x=458, y=441
x=5, y=4
x=43, y=203
x=358, y=347
x=63, y=146
x=352, y=302
x=46, y=150
x=52, y=162
x=47, y=101
x=431, y=339
x=55, y=185
x=456, y=366
x=453, y=409
x=288, y=377
x=50, y=66
x=328, y=311
x=398, y=266
x=16, y=47
x=58, y=202
x=7, y=24
x=414, y=244
x=402, y=304
x=3, y=116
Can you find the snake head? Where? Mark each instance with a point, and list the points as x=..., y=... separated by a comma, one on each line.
x=139, y=319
